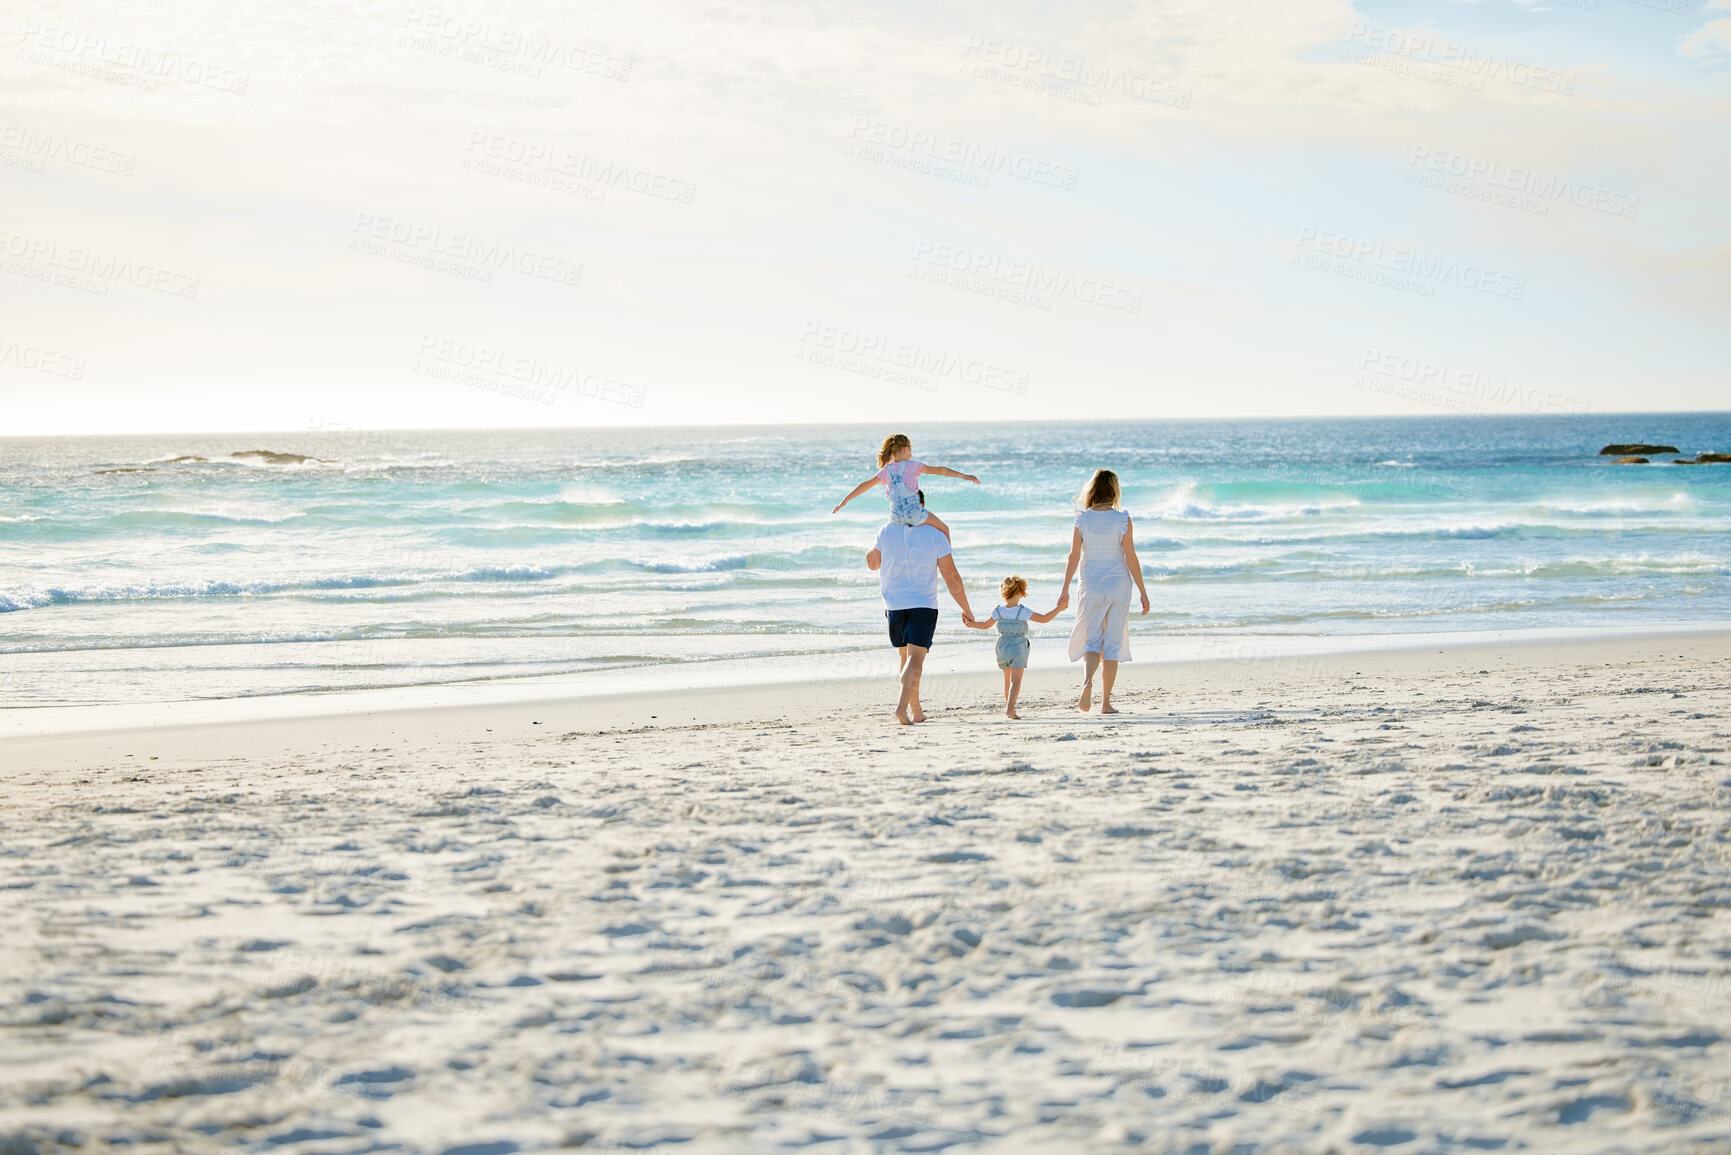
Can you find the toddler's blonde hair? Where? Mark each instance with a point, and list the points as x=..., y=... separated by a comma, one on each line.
x=893, y=444
x=1013, y=587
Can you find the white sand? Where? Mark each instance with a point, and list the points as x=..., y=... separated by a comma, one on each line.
x=1470, y=900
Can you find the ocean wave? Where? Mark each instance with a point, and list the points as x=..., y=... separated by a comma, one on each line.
x=1542, y=527
x=613, y=513
x=590, y=495
x=20, y=600
x=1250, y=502
x=1368, y=531
x=1671, y=503
x=56, y=595
x=1606, y=599
x=1467, y=532
x=1281, y=570
x=1401, y=613
x=101, y=524
x=639, y=462
x=1609, y=567
x=215, y=588
x=685, y=527
x=1416, y=530
x=1193, y=511
x=713, y=565
x=235, y=513
x=389, y=465
x=505, y=573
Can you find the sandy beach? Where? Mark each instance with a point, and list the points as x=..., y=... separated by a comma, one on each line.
x=1454, y=899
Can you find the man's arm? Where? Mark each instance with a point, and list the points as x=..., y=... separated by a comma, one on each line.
x=953, y=580
x=874, y=558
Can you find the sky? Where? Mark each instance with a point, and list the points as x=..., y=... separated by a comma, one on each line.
x=308, y=217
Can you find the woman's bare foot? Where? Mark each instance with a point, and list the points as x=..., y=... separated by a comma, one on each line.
x=1012, y=715
x=1087, y=698
x=1105, y=709
x=903, y=719
x=919, y=715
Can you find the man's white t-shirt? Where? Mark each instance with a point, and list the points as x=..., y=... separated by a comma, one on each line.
x=908, y=576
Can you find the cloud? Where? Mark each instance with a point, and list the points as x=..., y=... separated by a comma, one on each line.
x=1711, y=40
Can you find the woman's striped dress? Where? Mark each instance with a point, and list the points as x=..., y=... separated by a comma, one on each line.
x=1103, y=613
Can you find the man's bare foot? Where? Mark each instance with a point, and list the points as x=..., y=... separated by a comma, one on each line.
x=1012, y=715
x=1105, y=709
x=919, y=715
x=903, y=719
x=1087, y=698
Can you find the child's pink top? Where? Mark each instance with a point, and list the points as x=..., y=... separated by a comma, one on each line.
x=906, y=472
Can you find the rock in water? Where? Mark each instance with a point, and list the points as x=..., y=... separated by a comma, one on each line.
x=1713, y=458
x=1631, y=461
x=270, y=458
x=1625, y=450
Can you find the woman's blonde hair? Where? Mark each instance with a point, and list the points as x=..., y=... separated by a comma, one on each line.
x=1013, y=587
x=1102, y=489
x=893, y=444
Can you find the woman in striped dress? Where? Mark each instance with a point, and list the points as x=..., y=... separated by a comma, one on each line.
x=1102, y=545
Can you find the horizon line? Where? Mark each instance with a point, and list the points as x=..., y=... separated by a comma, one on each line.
x=348, y=429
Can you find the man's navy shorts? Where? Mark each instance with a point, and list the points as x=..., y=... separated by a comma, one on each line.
x=912, y=627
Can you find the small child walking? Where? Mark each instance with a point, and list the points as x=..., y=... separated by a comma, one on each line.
x=899, y=473
x=1012, y=620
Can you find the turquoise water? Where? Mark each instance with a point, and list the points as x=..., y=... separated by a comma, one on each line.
x=165, y=568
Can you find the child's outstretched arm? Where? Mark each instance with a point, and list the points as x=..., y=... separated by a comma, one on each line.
x=857, y=490
x=945, y=471
x=1063, y=600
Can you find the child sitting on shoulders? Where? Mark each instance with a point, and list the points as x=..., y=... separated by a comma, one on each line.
x=899, y=473
x=1012, y=620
